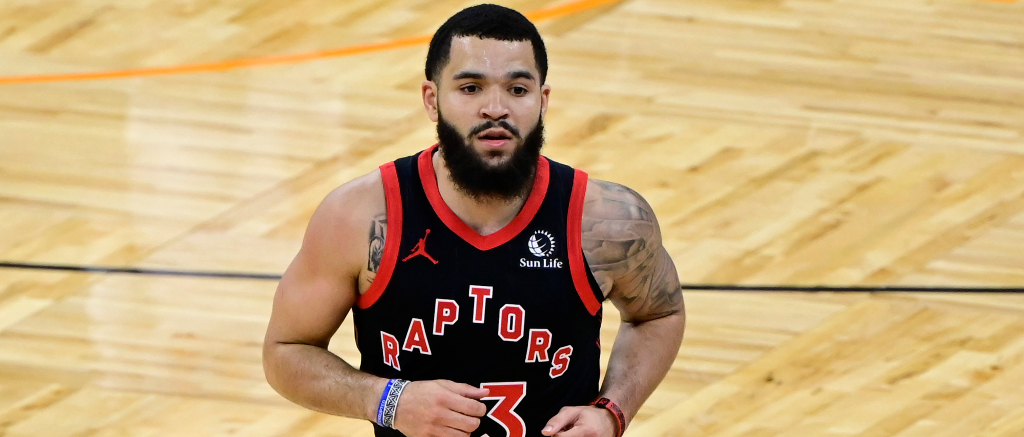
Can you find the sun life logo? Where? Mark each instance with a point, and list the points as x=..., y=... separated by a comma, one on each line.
x=541, y=244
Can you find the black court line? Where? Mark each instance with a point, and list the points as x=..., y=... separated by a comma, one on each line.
x=853, y=289
x=715, y=287
x=139, y=271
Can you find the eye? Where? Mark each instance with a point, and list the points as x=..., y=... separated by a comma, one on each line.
x=519, y=90
x=470, y=88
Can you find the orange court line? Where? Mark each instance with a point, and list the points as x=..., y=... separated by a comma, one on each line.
x=538, y=15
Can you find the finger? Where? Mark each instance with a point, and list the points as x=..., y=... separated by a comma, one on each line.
x=467, y=406
x=563, y=420
x=464, y=389
x=461, y=422
x=451, y=432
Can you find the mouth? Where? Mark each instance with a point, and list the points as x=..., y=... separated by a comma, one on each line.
x=495, y=137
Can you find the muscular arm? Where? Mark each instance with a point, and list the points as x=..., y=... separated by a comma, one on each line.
x=622, y=243
x=337, y=262
x=313, y=298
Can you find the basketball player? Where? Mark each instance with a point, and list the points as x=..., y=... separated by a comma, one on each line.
x=477, y=291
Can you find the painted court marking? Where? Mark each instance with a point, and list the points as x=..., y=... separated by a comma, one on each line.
x=536, y=16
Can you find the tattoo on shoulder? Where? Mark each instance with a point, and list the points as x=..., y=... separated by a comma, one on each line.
x=622, y=244
x=378, y=232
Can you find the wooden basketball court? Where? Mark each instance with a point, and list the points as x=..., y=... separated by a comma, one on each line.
x=786, y=142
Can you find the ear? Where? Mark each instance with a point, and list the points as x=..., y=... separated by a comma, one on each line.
x=429, y=90
x=545, y=92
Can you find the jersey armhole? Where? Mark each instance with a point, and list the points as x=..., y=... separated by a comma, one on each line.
x=574, y=229
x=393, y=239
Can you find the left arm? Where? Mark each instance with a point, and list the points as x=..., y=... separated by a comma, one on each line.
x=622, y=243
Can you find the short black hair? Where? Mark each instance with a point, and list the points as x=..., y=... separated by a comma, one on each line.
x=485, y=21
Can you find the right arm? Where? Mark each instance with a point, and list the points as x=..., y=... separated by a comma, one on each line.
x=337, y=260
x=313, y=298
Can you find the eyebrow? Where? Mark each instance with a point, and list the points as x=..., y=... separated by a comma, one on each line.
x=469, y=75
x=517, y=74
x=521, y=74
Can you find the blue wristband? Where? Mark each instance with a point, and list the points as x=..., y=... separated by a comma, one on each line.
x=383, y=398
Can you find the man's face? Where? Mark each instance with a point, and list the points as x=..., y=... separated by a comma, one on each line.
x=489, y=105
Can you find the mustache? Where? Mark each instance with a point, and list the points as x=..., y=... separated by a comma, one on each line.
x=492, y=124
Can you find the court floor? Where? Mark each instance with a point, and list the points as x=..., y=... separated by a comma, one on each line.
x=846, y=143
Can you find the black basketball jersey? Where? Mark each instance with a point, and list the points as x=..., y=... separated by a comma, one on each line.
x=517, y=311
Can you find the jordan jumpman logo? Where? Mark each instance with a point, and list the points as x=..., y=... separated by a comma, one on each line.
x=421, y=249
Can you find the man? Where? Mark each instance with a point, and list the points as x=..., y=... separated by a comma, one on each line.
x=482, y=276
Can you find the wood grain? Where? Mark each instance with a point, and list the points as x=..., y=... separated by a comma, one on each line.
x=860, y=142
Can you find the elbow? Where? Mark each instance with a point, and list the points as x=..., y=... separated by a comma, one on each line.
x=270, y=364
x=677, y=319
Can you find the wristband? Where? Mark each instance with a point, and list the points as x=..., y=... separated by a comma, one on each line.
x=383, y=398
x=389, y=402
x=620, y=419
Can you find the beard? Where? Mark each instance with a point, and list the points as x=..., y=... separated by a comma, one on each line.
x=480, y=180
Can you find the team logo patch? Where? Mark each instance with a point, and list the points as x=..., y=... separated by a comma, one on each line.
x=541, y=244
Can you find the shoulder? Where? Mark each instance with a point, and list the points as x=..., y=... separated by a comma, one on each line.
x=338, y=226
x=622, y=243
x=353, y=202
x=362, y=193
x=615, y=201
x=619, y=231
x=318, y=289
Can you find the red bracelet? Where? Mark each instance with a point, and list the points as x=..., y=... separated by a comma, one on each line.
x=620, y=419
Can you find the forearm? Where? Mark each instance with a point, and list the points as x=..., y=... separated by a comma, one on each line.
x=641, y=356
x=320, y=380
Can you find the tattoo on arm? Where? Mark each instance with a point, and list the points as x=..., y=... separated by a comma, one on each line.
x=622, y=244
x=378, y=231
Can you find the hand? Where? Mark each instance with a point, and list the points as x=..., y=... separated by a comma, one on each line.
x=439, y=408
x=586, y=421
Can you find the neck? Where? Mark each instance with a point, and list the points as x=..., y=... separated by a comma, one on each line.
x=485, y=215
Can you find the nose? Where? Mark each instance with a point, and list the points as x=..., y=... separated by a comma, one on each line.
x=495, y=108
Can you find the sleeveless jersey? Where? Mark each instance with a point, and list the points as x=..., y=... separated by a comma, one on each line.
x=517, y=311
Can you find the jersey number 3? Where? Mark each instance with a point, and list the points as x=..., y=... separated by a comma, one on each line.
x=508, y=394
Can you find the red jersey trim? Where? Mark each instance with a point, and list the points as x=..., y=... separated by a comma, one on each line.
x=460, y=228
x=393, y=239
x=574, y=233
